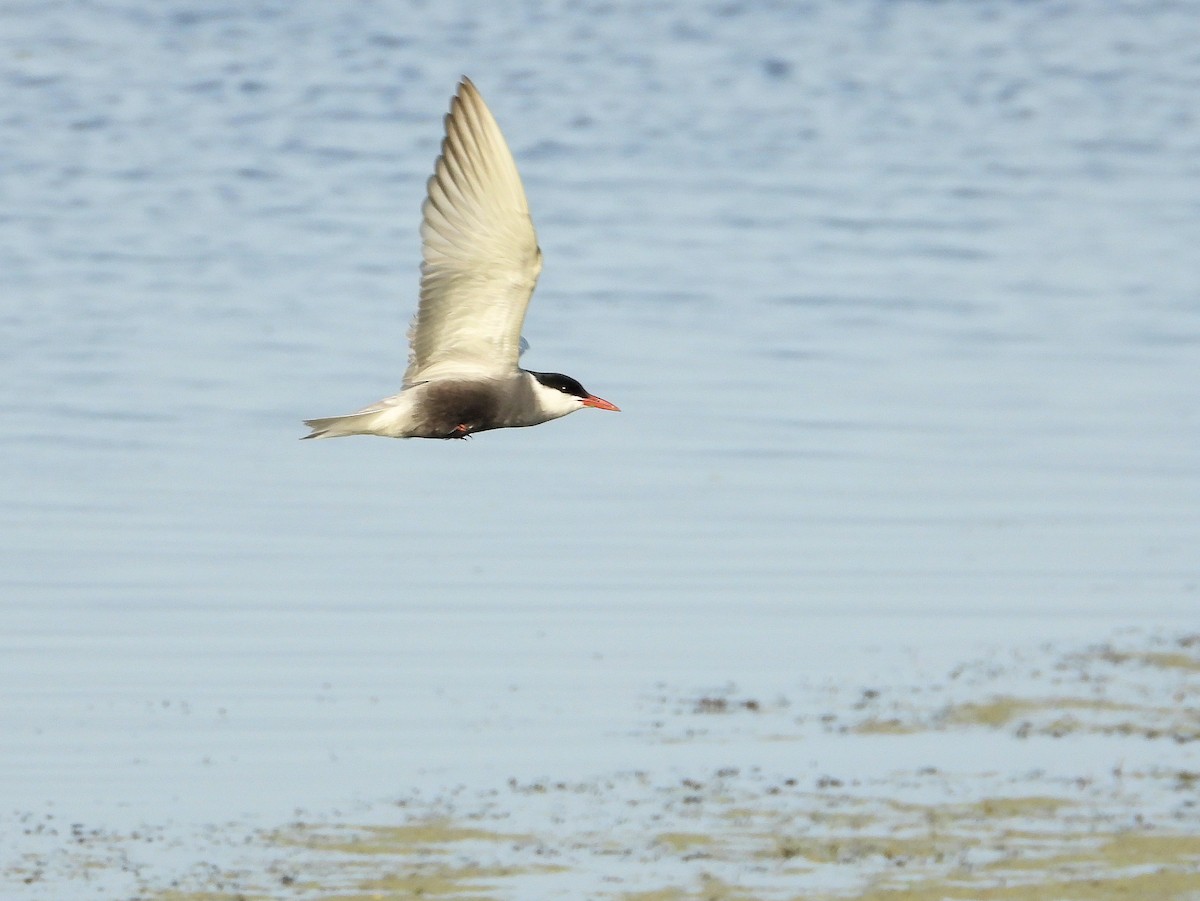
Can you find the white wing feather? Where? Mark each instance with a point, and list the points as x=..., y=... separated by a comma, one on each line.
x=481, y=257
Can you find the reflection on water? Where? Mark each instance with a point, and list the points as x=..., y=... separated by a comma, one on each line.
x=897, y=300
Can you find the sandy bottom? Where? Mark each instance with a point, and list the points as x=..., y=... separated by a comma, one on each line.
x=893, y=831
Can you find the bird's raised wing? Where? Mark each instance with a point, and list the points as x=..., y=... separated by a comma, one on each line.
x=481, y=257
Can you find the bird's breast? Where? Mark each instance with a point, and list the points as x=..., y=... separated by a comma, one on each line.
x=455, y=409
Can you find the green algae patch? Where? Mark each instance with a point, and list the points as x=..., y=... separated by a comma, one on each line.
x=995, y=714
x=889, y=726
x=1161, y=885
x=681, y=842
x=1164, y=660
x=1135, y=849
x=434, y=858
x=1055, y=717
x=843, y=820
x=427, y=836
x=430, y=859
x=1026, y=807
x=460, y=883
x=1003, y=711
x=1167, y=660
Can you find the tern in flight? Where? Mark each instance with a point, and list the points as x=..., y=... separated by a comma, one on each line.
x=480, y=263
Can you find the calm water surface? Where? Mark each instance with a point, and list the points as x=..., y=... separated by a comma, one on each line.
x=900, y=301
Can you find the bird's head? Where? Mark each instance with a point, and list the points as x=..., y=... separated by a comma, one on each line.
x=559, y=394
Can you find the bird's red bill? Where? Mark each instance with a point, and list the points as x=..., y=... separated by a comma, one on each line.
x=600, y=403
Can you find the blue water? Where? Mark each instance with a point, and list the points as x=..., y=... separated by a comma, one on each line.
x=900, y=301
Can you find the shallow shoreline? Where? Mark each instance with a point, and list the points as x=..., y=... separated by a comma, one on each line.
x=746, y=830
